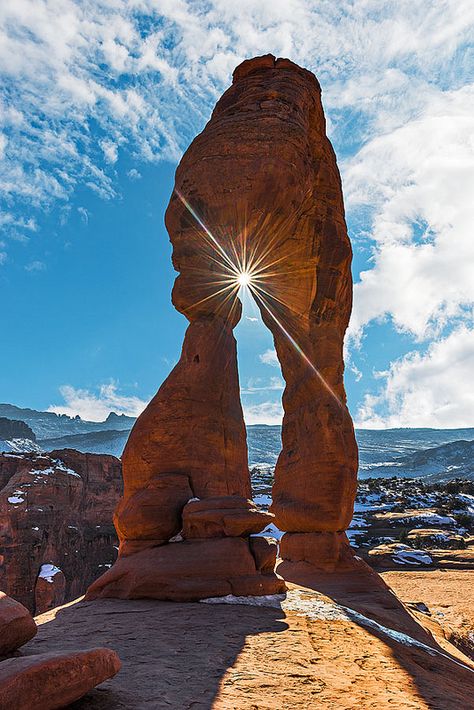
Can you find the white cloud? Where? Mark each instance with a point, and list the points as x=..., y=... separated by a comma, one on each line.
x=134, y=174
x=269, y=357
x=96, y=406
x=35, y=266
x=420, y=178
x=355, y=371
x=433, y=389
x=260, y=385
x=84, y=214
x=263, y=413
x=110, y=150
x=81, y=79
x=3, y=145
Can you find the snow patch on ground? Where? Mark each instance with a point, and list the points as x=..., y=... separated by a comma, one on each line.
x=318, y=609
x=405, y=555
x=62, y=467
x=468, y=500
x=427, y=519
x=19, y=445
x=16, y=498
x=58, y=466
x=270, y=600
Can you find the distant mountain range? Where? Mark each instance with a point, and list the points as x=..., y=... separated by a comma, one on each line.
x=437, y=464
x=435, y=454
x=94, y=442
x=48, y=424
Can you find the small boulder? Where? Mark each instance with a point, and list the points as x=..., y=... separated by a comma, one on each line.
x=54, y=680
x=154, y=513
x=264, y=550
x=17, y=626
x=225, y=516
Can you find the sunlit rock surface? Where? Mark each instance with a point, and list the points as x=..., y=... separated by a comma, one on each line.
x=257, y=204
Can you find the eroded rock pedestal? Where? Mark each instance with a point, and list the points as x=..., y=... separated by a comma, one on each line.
x=258, y=191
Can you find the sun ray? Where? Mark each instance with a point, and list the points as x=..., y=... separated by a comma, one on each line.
x=244, y=271
x=298, y=349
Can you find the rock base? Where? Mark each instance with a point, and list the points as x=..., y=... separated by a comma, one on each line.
x=193, y=570
x=323, y=551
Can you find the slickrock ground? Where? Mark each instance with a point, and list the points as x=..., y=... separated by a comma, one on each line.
x=447, y=594
x=307, y=651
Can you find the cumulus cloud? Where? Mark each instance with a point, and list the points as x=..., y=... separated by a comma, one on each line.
x=263, y=413
x=430, y=389
x=96, y=406
x=134, y=174
x=80, y=79
x=420, y=178
x=269, y=357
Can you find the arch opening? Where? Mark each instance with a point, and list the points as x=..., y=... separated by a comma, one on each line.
x=261, y=389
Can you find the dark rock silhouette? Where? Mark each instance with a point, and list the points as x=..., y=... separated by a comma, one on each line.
x=14, y=429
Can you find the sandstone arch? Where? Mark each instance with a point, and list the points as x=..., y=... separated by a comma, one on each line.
x=257, y=190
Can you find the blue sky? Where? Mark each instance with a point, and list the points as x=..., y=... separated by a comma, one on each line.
x=98, y=102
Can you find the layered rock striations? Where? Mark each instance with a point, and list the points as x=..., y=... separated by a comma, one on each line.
x=258, y=192
x=56, y=532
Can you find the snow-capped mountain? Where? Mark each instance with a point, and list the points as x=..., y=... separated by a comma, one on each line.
x=434, y=454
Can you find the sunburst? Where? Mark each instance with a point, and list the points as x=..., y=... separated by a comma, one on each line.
x=240, y=272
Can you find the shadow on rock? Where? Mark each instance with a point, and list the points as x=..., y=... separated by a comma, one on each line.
x=173, y=655
x=440, y=676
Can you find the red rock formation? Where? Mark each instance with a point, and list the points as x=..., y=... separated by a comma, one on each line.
x=54, y=680
x=50, y=588
x=56, y=509
x=228, y=516
x=154, y=512
x=194, y=424
x=263, y=179
x=191, y=570
x=17, y=626
x=324, y=551
x=258, y=191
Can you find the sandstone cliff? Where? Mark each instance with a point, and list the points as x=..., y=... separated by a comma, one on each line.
x=56, y=531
